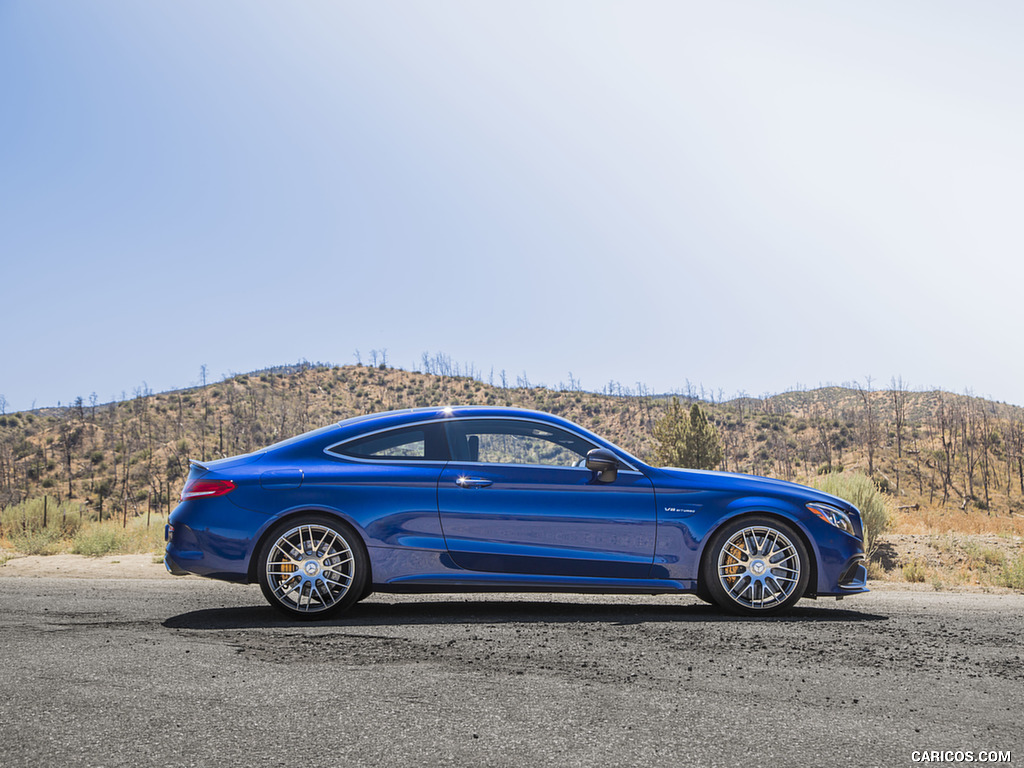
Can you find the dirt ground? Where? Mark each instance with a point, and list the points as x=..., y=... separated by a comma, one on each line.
x=148, y=566
x=950, y=562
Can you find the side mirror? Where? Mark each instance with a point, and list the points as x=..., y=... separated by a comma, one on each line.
x=605, y=463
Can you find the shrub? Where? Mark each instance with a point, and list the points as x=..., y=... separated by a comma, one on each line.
x=44, y=541
x=96, y=540
x=109, y=537
x=979, y=554
x=914, y=571
x=1013, y=574
x=858, y=489
x=876, y=571
x=27, y=518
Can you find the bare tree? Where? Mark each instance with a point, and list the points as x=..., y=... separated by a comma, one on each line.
x=945, y=422
x=870, y=424
x=899, y=412
x=69, y=439
x=1016, y=449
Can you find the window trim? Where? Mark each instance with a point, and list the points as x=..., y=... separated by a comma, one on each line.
x=443, y=423
x=397, y=460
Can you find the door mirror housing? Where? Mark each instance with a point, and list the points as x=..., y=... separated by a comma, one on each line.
x=605, y=463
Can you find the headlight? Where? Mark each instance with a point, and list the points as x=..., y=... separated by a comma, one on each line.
x=833, y=516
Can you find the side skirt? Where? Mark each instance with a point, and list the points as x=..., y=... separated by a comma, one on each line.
x=517, y=582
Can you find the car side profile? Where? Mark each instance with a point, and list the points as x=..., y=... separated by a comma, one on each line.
x=474, y=499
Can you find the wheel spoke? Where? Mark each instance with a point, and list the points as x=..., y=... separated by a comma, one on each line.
x=730, y=554
x=288, y=555
x=334, y=540
x=313, y=587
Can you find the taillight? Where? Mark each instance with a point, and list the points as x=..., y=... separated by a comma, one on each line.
x=196, y=488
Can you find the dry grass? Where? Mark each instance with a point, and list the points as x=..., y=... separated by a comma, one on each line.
x=944, y=520
x=109, y=537
x=66, y=530
x=954, y=559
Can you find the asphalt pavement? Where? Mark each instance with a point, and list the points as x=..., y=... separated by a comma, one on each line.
x=193, y=672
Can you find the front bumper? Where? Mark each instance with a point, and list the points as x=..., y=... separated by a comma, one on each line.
x=855, y=577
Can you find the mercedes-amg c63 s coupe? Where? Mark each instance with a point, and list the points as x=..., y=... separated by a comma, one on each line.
x=474, y=499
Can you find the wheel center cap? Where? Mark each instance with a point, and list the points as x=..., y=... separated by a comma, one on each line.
x=757, y=567
x=311, y=567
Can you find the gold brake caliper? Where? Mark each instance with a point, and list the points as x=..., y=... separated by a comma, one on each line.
x=733, y=571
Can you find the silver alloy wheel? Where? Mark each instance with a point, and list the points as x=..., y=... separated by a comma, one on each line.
x=759, y=567
x=310, y=568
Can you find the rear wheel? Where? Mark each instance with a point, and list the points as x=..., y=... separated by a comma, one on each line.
x=312, y=567
x=756, y=566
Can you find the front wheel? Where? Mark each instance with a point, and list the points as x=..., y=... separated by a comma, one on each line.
x=312, y=567
x=756, y=566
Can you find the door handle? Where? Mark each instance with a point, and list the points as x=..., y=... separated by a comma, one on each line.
x=472, y=482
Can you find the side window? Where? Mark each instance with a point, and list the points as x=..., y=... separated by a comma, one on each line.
x=424, y=442
x=501, y=441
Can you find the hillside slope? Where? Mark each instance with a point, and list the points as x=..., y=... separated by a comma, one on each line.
x=948, y=455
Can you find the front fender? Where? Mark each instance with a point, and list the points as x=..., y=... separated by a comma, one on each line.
x=683, y=538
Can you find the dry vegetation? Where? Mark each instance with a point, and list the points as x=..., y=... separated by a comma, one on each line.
x=951, y=465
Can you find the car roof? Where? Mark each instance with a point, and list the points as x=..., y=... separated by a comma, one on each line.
x=385, y=419
x=446, y=411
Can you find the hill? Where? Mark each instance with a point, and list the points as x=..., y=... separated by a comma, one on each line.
x=953, y=457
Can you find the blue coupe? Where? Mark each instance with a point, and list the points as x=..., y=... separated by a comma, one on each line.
x=475, y=499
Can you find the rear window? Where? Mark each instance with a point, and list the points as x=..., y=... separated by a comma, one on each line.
x=420, y=443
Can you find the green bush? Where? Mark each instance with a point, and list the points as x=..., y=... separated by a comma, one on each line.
x=1013, y=574
x=860, y=491
x=915, y=571
x=96, y=540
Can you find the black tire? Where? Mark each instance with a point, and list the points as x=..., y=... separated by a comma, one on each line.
x=703, y=594
x=755, y=566
x=313, y=567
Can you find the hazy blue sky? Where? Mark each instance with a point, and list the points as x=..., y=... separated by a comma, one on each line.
x=749, y=195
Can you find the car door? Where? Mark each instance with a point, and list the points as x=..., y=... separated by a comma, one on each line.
x=515, y=498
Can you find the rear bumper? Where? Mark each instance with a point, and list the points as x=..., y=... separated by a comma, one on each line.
x=172, y=567
x=211, y=537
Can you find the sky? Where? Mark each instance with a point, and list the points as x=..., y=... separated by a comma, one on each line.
x=749, y=196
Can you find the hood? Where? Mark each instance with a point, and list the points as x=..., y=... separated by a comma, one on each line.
x=678, y=477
